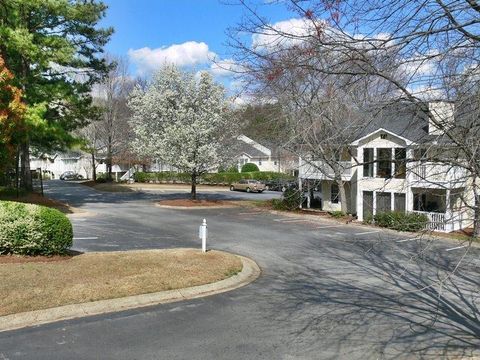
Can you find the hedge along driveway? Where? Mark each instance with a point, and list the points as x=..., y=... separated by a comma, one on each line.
x=29, y=229
x=210, y=178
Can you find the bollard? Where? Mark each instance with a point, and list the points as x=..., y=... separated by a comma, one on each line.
x=202, y=234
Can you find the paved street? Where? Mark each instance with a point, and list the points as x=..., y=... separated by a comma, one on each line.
x=327, y=290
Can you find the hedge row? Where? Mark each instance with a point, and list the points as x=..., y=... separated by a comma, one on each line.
x=401, y=221
x=211, y=178
x=28, y=229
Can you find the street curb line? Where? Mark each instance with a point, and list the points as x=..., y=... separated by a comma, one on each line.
x=250, y=272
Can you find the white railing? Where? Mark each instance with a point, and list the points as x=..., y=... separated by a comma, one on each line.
x=436, y=221
x=437, y=173
x=321, y=170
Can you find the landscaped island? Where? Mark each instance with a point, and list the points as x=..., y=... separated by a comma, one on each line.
x=31, y=285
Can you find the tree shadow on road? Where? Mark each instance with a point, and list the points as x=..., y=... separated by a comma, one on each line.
x=370, y=302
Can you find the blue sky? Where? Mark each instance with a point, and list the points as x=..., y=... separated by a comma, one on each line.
x=184, y=31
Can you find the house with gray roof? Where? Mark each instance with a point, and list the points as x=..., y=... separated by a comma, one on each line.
x=391, y=167
x=250, y=151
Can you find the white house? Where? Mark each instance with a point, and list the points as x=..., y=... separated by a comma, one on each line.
x=250, y=151
x=77, y=161
x=389, y=171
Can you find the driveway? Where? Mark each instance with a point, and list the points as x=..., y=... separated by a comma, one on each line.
x=327, y=290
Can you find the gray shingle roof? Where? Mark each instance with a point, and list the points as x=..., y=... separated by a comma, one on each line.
x=248, y=149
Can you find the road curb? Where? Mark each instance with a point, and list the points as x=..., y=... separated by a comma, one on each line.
x=250, y=272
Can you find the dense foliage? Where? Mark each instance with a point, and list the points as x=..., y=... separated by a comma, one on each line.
x=29, y=229
x=400, y=221
x=249, y=167
x=209, y=178
x=52, y=49
x=12, y=111
x=183, y=120
x=290, y=200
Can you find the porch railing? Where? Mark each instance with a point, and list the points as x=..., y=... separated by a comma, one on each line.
x=321, y=170
x=437, y=173
x=436, y=221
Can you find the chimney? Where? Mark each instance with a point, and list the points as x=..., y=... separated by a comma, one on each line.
x=442, y=113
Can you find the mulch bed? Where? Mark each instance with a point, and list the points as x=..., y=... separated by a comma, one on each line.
x=194, y=203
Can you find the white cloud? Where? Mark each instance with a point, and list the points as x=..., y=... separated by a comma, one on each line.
x=225, y=67
x=282, y=33
x=187, y=54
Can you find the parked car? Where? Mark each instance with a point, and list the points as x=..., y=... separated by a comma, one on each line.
x=280, y=185
x=248, y=186
x=71, y=175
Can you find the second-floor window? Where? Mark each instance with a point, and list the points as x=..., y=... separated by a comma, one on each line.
x=384, y=162
x=400, y=163
x=368, y=162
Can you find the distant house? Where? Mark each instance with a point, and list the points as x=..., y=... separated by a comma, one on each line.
x=54, y=165
x=250, y=151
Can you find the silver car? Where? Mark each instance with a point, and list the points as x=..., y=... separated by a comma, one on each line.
x=248, y=186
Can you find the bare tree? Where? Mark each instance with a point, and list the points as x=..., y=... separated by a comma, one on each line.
x=409, y=51
x=112, y=130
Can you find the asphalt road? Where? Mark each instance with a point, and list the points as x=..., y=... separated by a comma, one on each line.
x=327, y=290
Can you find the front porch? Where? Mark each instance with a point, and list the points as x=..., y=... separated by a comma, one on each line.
x=443, y=207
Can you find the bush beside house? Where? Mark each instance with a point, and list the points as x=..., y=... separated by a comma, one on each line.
x=249, y=167
x=400, y=221
x=28, y=229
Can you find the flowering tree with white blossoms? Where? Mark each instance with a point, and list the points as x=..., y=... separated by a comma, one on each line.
x=182, y=120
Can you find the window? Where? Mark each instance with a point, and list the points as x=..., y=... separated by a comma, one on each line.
x=368, y=162
x=383, y=136
x=419, y=202
x=400, y=163
x=260, y=161
x=334, y=191
x=384, y=160
x=275, y=163
x=384, y=202
x=399, y=202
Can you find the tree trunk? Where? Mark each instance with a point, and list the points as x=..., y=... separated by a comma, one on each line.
x=25, y=175
x=343, y=196
x=94, y=168
x=476, y=218
x=194, y=186
x=109, y=159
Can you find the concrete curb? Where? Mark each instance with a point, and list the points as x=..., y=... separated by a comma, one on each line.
x=249, y=273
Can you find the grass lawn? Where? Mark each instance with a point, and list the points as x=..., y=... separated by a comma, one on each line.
x=31, y=285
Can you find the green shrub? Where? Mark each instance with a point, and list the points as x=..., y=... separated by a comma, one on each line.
x=291, y=199
x=210, y=178
x=401, y=221
x=28, y=229
x=337, y=214
x=101, y=178
x=249, y=167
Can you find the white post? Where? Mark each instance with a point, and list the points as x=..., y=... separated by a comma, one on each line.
x=202, y=234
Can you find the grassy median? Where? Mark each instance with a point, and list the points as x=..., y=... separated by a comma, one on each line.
x=32, y=285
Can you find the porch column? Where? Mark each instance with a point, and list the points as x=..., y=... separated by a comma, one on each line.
x=449, y=221
x=374, y=165
x=300, y=189
x=374, y=205
x=393, y=164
